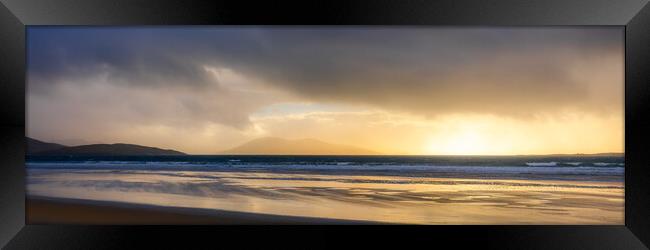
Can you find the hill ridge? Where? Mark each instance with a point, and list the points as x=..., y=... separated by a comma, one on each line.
x=303, y=146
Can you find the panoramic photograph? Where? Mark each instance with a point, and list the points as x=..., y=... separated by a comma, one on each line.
x=325, y=125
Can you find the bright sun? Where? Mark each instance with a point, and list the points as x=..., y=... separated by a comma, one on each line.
x=464, y=143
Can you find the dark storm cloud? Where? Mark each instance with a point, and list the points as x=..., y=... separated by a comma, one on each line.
x=421, y=70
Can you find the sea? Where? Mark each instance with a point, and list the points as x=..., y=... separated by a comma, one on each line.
x=573, y=167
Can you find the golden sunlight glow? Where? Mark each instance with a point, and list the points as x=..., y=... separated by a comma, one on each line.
x=465, y=143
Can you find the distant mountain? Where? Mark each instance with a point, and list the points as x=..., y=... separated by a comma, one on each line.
x=35, y=146
x=278, y=146
x=43, y=148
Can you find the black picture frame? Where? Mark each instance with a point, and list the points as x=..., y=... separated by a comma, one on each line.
x=15, y=15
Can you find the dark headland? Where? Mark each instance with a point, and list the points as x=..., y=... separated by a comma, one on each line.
x=36, y=147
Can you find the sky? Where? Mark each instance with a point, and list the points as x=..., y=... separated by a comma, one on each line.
x=392, y=90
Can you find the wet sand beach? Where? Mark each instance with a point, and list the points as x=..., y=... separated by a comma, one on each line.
x=43, y=210
x=386, y=199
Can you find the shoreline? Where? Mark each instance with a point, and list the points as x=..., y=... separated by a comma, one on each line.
x=487, y=176
x=40, y=210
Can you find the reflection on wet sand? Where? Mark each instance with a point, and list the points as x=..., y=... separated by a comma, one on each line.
x=397, y=199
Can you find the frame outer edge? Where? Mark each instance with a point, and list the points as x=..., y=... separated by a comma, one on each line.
x=12, y=94
x=12, y=39
x=421, y=12
x=637, y=94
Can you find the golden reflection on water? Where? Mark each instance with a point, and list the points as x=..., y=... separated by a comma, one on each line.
x=373, y=198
